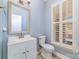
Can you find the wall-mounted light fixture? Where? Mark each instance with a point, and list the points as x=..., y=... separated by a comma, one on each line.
x=21, y=2
x=29, y=2
x=25, y=2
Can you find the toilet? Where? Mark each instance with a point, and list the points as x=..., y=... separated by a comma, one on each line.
x=47, y=49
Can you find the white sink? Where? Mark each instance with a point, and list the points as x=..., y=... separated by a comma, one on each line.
x=16, y=40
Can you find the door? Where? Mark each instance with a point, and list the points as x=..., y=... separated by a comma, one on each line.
x=3, y=34
x=31, y=50
x=16, y=51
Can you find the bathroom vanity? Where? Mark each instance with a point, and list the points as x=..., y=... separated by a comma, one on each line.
x=23, y=48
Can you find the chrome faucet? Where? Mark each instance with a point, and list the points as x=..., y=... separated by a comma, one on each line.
x=21, y=35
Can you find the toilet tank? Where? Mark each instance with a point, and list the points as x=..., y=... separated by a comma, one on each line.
x=42, y=40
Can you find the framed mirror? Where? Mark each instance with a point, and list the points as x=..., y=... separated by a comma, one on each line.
x=18, y=18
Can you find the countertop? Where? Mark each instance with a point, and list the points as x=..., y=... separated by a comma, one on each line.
x=21, y=40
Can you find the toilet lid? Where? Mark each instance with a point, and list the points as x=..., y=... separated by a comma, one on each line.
x=48, y=46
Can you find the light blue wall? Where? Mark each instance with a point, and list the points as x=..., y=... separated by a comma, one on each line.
x=41, y=18
x=37, y=22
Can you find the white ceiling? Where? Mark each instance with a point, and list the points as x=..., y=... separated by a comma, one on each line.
x=51, y=0
x=45, y=0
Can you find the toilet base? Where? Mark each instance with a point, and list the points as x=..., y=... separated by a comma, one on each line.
x=46, y=55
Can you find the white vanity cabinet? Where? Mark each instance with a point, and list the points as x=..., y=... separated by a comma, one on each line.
x=23, y=50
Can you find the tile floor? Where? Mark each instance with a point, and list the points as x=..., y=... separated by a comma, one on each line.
x=40, y=56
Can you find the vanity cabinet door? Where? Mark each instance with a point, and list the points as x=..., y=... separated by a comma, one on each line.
x=31, y=50
x=16, y=52
x=25, y=50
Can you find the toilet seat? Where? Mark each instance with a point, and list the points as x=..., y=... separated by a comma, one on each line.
x=48, y=47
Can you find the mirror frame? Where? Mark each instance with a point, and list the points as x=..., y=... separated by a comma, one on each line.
x=10, y=3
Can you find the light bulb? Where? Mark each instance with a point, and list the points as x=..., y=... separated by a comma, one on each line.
x=28, y=0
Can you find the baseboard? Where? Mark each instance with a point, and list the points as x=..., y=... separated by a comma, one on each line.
x=61, y=55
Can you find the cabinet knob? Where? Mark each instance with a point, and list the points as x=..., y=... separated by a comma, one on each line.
x=24, y=52
x=27, y=51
